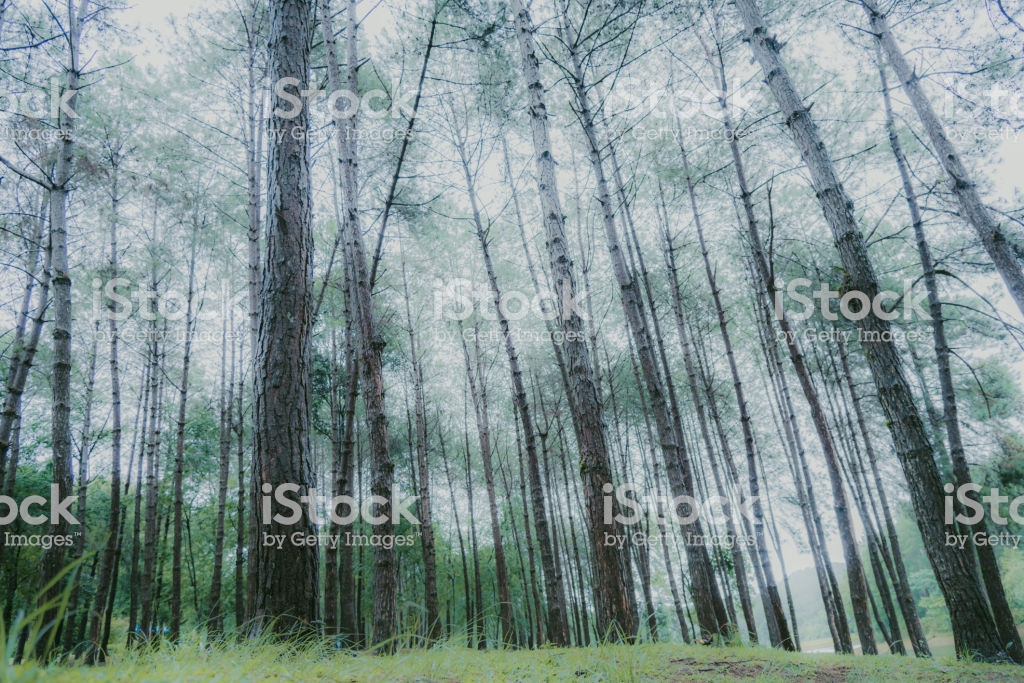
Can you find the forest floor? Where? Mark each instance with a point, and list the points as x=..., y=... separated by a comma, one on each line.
x=447, y=664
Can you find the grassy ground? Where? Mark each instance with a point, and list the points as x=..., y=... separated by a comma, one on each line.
x=661, y=662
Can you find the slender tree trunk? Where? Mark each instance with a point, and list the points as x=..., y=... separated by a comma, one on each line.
x=252, y=130
x=227, y=404
x=537, y=635
x=462, y=548
x=149, y=396
x=478, y=634
x=24, y=347
x=425, y=511
x=52, y=561
x=179, y=450
x=108, y=567
x=241, y=526
x=972, y=210
x=614, y=619
x=146, y=584
x=74, y=619
x=974, y=631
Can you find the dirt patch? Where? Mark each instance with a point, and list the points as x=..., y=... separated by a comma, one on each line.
x=698, y=669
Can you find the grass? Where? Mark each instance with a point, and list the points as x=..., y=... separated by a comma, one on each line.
x=193, y=661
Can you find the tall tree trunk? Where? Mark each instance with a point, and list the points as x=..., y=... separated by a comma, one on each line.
x=95, y=651
x=148, y=390
x=241, y=526
x=614, y=618
x=974, y=631
x=433, y=610
x=179, y=448
x=468, y=600
x=371, y=342
x=287, y=584
x=252, y=131
x=73, y=618
x=146, y=582
x=475, y=625
x=537, y=626
x=52, y=561
x=972, y=209
x=24, y=347
x=966, y=192
x=227, y=404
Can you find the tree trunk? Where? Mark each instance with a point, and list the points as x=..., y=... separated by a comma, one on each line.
x=371, y=343
x=24, y=348
x=146, y=583
x=287, y=585
x=974, y=632
x=972, y=209
x=73, y=618
x=1004, y=620
x=433, y=610
x=179, y=449
x=134, y=588
x=95, y=651
x=241, y=526
x=614, y=619
x=227, y=403
x=52, y=561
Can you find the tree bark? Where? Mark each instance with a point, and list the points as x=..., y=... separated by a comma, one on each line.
x=974, y=632
x=972, y=209
x=371, y=342
x=614, y=619
x=179, y=449
x=287, y=583
x=1004, y=620
x=52, y=561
